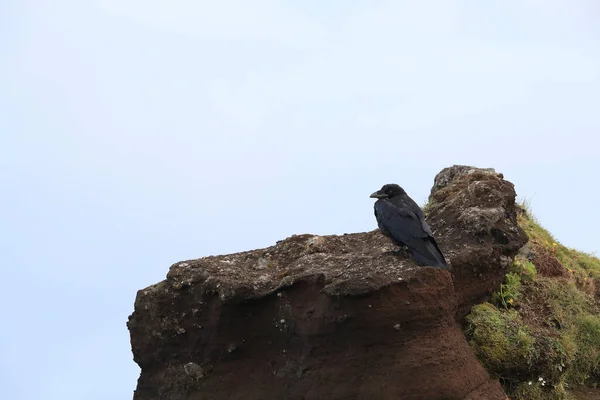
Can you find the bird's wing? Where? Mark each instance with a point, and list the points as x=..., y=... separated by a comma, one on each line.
x=405, y=227
x=379, y=217
x=414, y=207
x=400, y=223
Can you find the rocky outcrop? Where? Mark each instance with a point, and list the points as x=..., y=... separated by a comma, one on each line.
x=333, y=317
x=473, y=212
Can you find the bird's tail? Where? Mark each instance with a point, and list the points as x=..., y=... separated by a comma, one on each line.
x=429, y=255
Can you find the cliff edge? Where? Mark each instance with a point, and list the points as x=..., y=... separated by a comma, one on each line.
x=333, y=317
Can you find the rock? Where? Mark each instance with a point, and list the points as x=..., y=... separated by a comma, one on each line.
x=447, y=175
x=194, y=370
x=473, y=212
x=333, y=317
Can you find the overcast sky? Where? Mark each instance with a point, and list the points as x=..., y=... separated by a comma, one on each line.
x=134, y=134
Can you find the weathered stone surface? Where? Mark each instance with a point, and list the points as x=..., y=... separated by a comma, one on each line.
x=332, y=317
x=447, y=175
x=474, y=213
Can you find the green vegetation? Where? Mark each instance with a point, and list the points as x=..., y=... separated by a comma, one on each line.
x=524, y=268
x=510, y=289
x=500, y=338
x=509, y=292
x=586, y=366
x=427, y=207
x=540, y=333
x=580, y=263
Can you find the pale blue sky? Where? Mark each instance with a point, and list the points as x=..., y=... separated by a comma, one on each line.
x=134, y=134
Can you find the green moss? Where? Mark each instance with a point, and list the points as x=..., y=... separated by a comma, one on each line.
x=564, y=301
x=518, y=355
x=544, y=333
x=553, y=356
x=500, y=339
x=586, y=365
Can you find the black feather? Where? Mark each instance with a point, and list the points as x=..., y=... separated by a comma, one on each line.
x=403, y=221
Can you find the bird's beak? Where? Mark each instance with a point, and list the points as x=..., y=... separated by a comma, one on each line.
x=377, y=195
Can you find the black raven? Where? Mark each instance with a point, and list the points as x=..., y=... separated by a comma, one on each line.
x=403, y=221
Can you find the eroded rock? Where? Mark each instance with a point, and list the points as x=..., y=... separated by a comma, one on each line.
x=333, y=317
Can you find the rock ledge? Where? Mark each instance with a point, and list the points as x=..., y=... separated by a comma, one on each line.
x=333, y=317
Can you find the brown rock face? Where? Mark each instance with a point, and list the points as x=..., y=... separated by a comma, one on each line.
x=473, y=212
x=332, y=317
